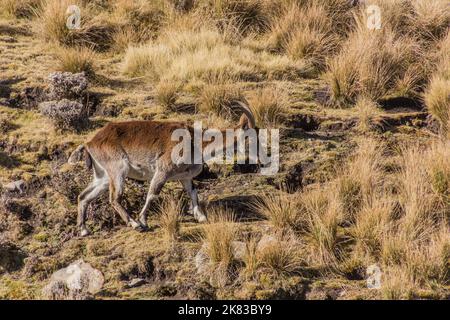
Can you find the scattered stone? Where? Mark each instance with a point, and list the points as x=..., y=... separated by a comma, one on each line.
x=8, y=39
x=137, y=282
x=79, y=281
x=265, y=242
x=15, y=186
x=202, y=260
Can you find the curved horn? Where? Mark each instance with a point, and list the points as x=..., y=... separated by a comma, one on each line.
x=248, y=113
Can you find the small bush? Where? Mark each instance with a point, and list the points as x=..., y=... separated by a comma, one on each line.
x=66, y=85
x=65, y=114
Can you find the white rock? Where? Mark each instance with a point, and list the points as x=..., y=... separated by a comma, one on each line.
x=18, y=185
x=266, y=241
x=76, y=282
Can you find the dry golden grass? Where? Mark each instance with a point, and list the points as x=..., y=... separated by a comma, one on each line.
x=247, y=16
x=367, y=112
x=360, y=180
x=251, y=260
x=437, y=100
x=204, y=54
x=269, y=105
x=75, y=60
x=281, y=257
x=170, y=215
x=219, y=98
x=96, y=30
x=281, y=209
x=322, y=219
x=19, y=8
x=374, y=65
x=219, y=234
x=167, y=93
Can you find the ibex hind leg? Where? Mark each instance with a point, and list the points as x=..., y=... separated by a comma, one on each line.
x=97, y=187
x=116, y=188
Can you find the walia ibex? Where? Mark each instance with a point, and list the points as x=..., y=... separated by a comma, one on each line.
x=140, y=150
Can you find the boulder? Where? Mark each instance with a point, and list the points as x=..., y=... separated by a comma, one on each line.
x=78, y=281
x=15, y=186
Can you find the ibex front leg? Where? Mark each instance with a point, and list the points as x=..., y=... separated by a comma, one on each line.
x=192, y=193
x=157, y=183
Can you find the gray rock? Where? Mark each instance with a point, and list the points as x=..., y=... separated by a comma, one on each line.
x=15, y=186
x=266, y=241
x=79, y=281
x=202, y=261
x=136, y=283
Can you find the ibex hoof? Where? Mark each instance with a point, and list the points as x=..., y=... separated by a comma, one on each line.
x=137, y=226
x=84, y=232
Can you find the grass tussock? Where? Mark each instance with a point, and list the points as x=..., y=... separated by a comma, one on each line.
x=219, y=234
x=167, y=93
x=269, y=105
x=76, y=60
x=361, y=178
x=367, y=112
x=95, y=30
x=218, y=99
x=281, y=210
x=306, y=32
x=19, y=8
x=281, y=257
x=170, y=215
x=375, y=65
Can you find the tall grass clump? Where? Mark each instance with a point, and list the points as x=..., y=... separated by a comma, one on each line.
x=219, y=234
x=310, y=31
x=269, y=105
x=280, y=256
x=320, y=211
x=360, y=179
x=246, y=16
x=76, y=60
x=219, y=99
x=170, y=214
x=367, y=112
x=19, y=8
x=139, y=21
x=95, y=28
x=375, y=64
x=281, y=210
